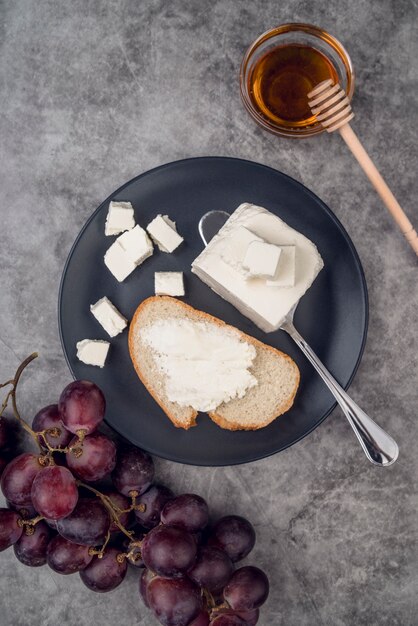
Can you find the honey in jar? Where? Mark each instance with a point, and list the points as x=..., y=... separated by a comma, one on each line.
x=281, y=79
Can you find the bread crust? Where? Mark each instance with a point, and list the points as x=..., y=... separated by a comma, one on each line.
x=216, y=417
x=228, y=425
x=144, y=379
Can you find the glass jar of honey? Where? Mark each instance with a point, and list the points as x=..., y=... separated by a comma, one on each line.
x=281, y=67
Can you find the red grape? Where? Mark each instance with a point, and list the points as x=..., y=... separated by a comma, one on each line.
x=175, y=601
x=168, y=551
x=31, y=549
x=82, y=406
x=66, y=557
x=87, y=525
x=106, y=573
x=154, y=499
x=94, y=459
x=233, y=534
x=227, y=619
x=250, y=617
x=247, y=589
x=54, y=492
x=5, y=433
x=187, y=511
x=17, y=478
x=134, y=471
x=212, y=569
x=10, y=531
x=122, y=503
x=144, y=580
x=201, y=620
x=49, y=417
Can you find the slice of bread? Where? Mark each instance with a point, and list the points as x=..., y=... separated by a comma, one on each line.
x=276, y=373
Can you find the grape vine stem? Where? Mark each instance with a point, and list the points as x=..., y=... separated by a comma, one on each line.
x=99, y=553
x=12, y=395
x=114, y=510
x=29, y=524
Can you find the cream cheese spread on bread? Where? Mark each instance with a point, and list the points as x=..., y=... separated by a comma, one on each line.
x=204, y=364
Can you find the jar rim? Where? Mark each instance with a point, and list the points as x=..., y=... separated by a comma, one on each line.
x=276, y=31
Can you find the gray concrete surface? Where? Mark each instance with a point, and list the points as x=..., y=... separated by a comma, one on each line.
x=93, y=93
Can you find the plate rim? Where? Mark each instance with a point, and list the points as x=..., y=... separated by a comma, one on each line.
x=333, y=218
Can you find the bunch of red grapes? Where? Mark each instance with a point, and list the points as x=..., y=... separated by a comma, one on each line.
x=59, y=515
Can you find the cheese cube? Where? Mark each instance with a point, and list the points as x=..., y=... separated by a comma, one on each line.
x=120, y=217
x=286, y=270
x=164, y=234
x=262, y=259
x=235, y=248
x=108, y=316
x=136, y=244
x=169, y=283
x=92, y=351
x=118, y=262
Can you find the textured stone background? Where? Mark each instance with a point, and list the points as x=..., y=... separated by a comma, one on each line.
x=94, y=92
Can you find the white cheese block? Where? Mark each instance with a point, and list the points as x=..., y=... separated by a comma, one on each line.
x=169, y=283
x=118, y=261
x=235, y=248
x=286, y=270
x=120, y=217
x=265, y=306
x=262, y=259
x=163, y=232
x=92, y=351
x=136, y=244
x=108, y=316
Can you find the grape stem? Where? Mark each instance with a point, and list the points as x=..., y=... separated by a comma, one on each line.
x=12, y=395
x=134, y=506
x=29, y=524
x=114, y=510
x=8, y=382
x=210, y=603
x=132, y=554
x=215, y=609
x=100, y=553
x=77, y=448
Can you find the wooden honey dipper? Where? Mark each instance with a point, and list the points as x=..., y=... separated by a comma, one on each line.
x=331, y=107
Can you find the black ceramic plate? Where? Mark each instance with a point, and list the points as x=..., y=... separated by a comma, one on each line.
x=332, y=316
